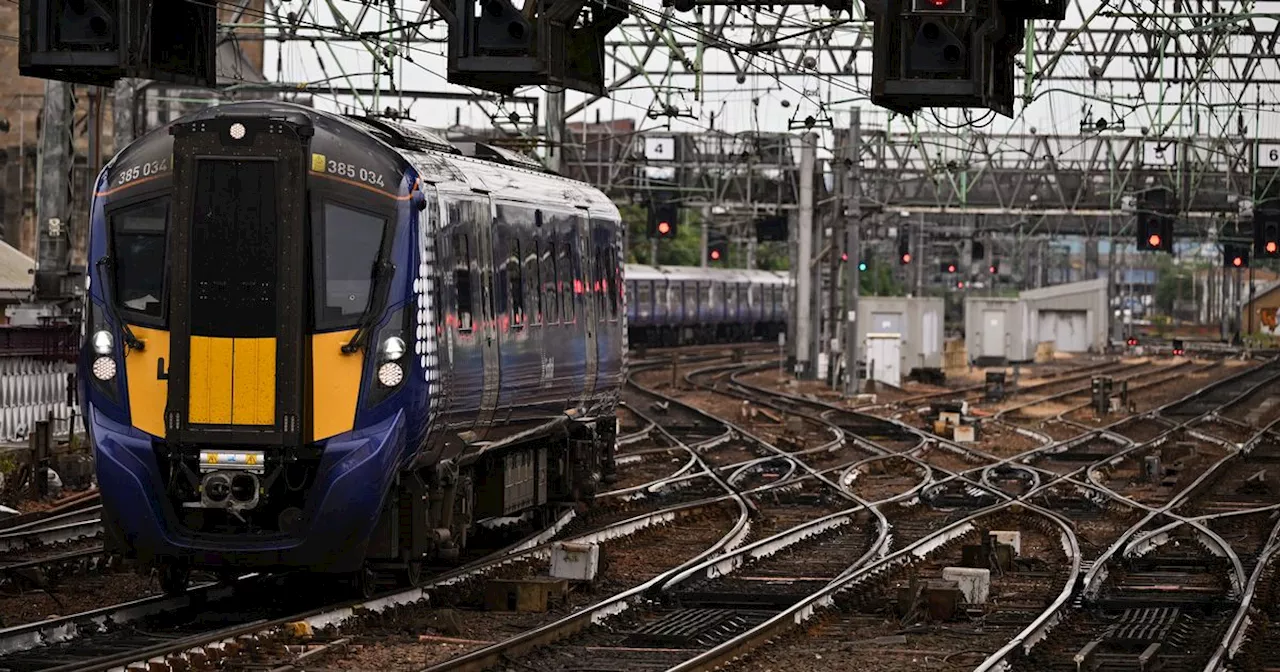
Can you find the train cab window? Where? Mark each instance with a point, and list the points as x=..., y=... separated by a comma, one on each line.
x=462, y=279
x=345, y=250
x=515, y=285
x=138, y=242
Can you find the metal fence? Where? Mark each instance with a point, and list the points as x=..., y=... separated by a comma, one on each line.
x=31, y=390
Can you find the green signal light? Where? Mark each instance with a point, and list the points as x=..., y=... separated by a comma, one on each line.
x=862, y=265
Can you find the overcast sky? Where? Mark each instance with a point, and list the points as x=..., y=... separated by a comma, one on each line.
x=777, y=90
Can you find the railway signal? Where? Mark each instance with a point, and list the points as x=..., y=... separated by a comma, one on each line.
x=1155, y=232
x=772, y=228
x=1266, y=233
x=994, y=268
x=100, y=41
x=862, y=266
x=664, y=220
x=1235, y=256
x=904, y=248
x=717, y=247
x=948, y=267
x=950, y=53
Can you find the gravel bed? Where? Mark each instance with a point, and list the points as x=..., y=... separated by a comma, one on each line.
x=74, y=595
x=869, y=632
x=411, y=638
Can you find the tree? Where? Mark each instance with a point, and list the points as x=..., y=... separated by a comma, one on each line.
x=1172, y=283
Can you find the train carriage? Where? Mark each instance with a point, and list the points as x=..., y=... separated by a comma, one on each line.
x=328, y=343
x=674, y=305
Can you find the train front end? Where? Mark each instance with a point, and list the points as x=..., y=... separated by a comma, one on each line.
x=248, y=385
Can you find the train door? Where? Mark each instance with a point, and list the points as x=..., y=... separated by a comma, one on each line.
x=585, y=260
x=238, y=279
x=488, y=337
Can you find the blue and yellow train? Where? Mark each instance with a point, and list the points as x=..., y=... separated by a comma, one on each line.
x=334, y=343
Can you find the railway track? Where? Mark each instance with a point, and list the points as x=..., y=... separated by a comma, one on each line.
x=827, y=532
x=1234, y=390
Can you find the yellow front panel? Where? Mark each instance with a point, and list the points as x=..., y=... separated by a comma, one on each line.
x=335, y=384
x=253, y=394
x=147, y=393
x=211, y=369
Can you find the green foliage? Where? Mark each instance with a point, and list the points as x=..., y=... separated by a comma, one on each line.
x=686, y=249
x=1171, y=283
x=879, y=280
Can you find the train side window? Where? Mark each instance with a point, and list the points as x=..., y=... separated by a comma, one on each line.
x=570, y=284
x=731, y=295
x=138, y=242
x=552, y=288
x=601, y=281
x=642, y=293
x=535, y=270
x=615, y=289
x=462, y=279
x=515, y=284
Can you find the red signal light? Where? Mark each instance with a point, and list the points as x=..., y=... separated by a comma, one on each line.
x=951, y=268
x=715, y=255
x=1154, y=240
x=844, y=256
x=664, y=228
x=1237, y=261
x=906, y=258
x=991, y=270
x=1271, y=247
x=940, y=3
x=960, y=285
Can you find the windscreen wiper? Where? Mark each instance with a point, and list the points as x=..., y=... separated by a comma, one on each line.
x=107, y=275
x=383, y=271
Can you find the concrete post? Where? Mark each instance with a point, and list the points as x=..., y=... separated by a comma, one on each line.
x=853, y=236
x=803, y=313
x=53, y=191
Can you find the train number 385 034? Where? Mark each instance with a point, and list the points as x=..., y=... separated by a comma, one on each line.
x=351, y=171
x=141, y=170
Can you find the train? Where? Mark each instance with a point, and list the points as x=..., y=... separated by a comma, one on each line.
x=679, y=305
x=335, y=344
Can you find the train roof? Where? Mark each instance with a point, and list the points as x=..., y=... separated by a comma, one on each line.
x=645, y=272
x=477, y=166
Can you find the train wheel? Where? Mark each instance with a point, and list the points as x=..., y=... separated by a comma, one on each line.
x=363, y=582
x=411, y=575
x=175, y=577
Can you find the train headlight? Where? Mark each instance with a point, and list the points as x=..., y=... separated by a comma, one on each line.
x=393, y=348
x=104, y=368
x=102, y=342
x=390, y=374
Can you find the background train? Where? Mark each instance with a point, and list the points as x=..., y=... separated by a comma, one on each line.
x=676, y=305
x=330, y=343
